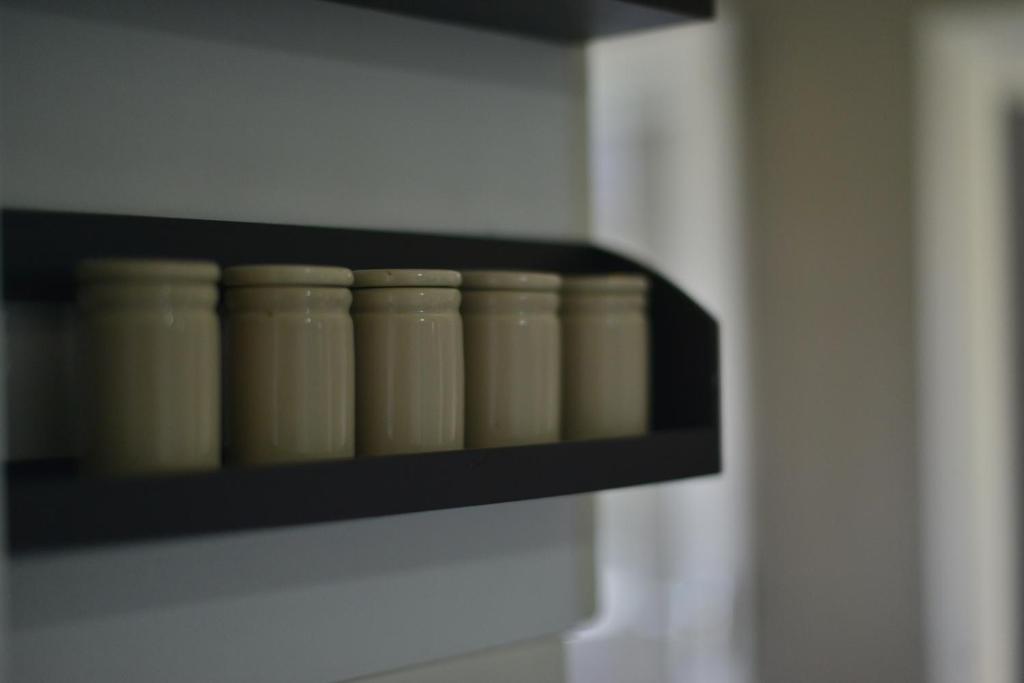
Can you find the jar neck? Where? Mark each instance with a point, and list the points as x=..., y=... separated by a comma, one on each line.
x=604, y=302
x=406, y=300
x=284, y=299
x=509, y=302
x=146, y=295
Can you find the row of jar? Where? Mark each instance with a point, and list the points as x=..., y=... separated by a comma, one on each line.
x=320, y=362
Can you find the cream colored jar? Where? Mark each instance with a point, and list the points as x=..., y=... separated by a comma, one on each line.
x=409, y=369
x=605, y=356
x=513, y=358
x=290, y=362
x=152, y=352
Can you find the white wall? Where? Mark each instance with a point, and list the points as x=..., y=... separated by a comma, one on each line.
x=533, y=662
x=296, y=112
x=312, y=604
x=674, y=561
x=309, y=112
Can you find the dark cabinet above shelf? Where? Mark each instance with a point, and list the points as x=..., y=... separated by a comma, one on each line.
x=50, y=506
x=556, y=20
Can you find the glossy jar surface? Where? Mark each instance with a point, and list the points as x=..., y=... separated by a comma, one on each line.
x=151, y=342
x=409, y=368
x=513, y=357
x=605, y=356
x=290, y=364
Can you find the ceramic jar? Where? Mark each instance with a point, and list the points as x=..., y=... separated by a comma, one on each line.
x=409, y=374
x=151, y=342
x=290, y=364
x=513, y=358
x=605, y=356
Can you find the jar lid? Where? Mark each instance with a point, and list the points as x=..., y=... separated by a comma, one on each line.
x=407, y=277
x=146, y=270
x=510, y=279
x=619, y=283
x=287, y=275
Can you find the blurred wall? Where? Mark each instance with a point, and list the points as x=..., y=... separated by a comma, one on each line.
x=818, y=292
x=314, y=113
x=294, y=112
x=828, y=111
x=674, y=561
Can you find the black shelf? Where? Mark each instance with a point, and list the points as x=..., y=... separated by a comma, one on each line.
x=49, y=506
x=60, y=511
x=556, y=20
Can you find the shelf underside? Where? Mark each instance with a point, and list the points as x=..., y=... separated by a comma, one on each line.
x=557, y=20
